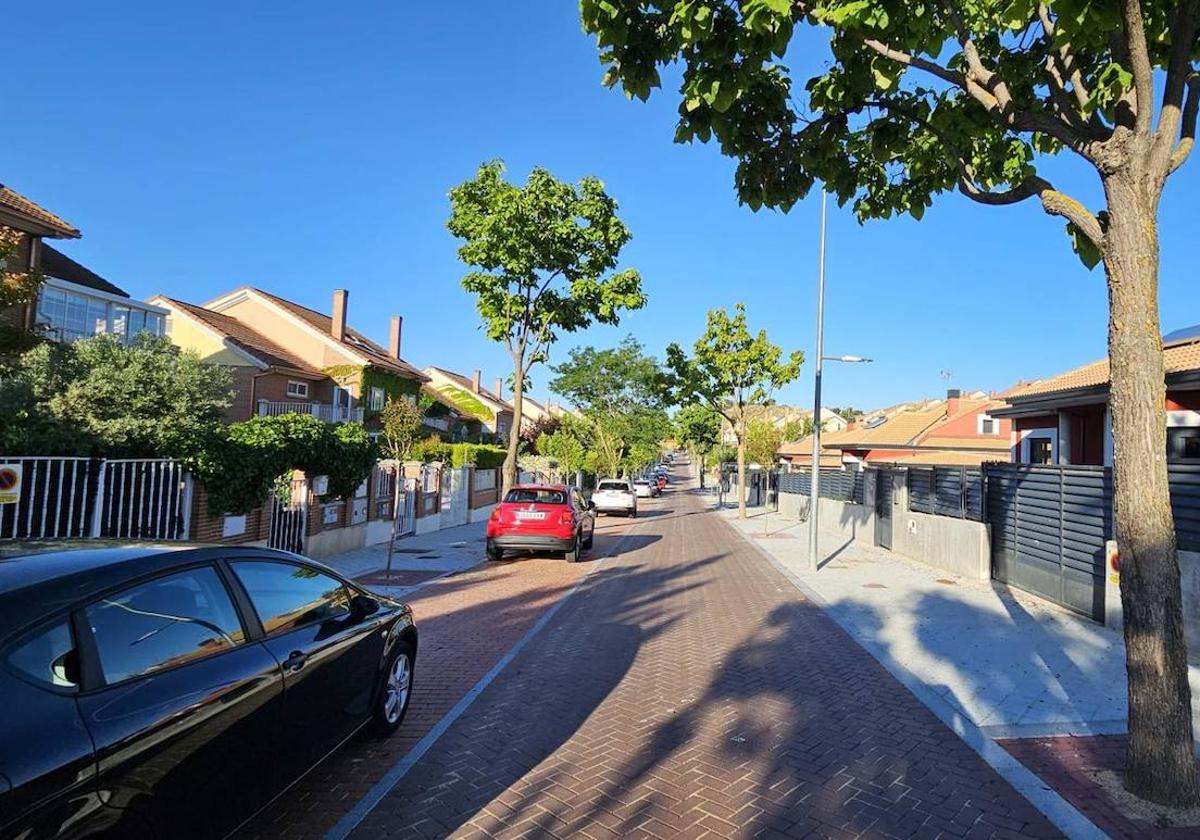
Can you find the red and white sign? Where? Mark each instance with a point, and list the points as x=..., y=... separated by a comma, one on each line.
x=10, y=484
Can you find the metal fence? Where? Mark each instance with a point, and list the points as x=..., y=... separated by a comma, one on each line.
x=840, y=485
x=1185, y=504
x=946, y=491
x=64, y=498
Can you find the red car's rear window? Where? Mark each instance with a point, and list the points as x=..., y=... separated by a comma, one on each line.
x=536, y=495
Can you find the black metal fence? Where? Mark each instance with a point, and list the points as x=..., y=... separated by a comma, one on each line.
x=839, y=485
x=947, y=491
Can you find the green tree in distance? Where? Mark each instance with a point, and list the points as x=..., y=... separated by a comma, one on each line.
x=763, y=439
x=699, y=428
x=729, y=370
x=544, y=256
x=925, y=97
x=566, y=449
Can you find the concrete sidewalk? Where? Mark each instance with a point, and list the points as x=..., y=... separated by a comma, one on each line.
x=416, y=559
x=1009, y=663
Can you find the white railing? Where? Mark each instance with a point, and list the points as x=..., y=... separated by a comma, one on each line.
x=324, y=411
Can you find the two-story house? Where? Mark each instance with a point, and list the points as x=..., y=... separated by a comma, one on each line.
x=72, y=301
x=287, y=358
x=489, y=408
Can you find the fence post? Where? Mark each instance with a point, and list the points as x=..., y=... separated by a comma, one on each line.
x=98, y=503
x=185, y=504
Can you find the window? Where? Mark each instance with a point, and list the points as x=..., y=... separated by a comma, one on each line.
x=1183, y=444
x=297, y=389
x=70, y=316
x=1041, y=450
x=167, y=622
x=988, y=425
x=536, y=495
x=49, y=656
x=375, y=401
x=287, y=596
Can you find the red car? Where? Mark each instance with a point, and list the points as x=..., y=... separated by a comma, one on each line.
x=541, y=518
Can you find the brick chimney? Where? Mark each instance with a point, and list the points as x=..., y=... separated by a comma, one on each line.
x=499, y=388
x=338, y=326
x=394, y=337
x=952, y=399
x=475, y=381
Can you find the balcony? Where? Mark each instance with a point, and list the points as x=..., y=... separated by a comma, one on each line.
x=322, y=411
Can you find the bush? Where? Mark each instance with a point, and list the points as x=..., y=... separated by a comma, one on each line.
x=480, y=455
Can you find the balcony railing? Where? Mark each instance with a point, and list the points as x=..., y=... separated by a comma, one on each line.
x=323, y=411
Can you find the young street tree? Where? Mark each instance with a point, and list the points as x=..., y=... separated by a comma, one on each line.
x=544, y=256
x=699, y=428
x=400, y=423
x=930, y=96
x=729, y=370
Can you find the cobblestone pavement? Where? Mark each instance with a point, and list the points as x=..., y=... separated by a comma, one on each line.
x=685, y=690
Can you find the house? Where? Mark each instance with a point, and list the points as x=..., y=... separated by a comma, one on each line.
x=287, y=359
x=956, y=430
x=471, y=399
x=1065, y=419
x=781, y=416
x=72, y=301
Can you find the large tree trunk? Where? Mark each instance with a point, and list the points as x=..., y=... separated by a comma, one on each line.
x=741, y=481
x=514, y=434
x=1161, y=762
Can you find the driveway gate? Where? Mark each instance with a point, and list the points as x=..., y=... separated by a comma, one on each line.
x=885, y=498
x=289, y=518
x=1049, y=524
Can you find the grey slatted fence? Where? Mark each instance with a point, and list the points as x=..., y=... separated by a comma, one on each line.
x=946, y=491
x=839, y=485
x=1185, y=504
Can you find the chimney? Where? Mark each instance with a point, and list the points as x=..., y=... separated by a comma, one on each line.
x=338, y=327
x=475, y=381
x=499, y=388
x=952, y=397
x=394, y=339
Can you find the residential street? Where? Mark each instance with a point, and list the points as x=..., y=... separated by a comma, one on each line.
x=686, y=689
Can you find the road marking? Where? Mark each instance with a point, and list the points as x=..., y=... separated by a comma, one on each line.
x=1065, y=816
x=365, y=805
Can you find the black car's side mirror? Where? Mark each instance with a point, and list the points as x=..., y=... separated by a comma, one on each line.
x=362, y=606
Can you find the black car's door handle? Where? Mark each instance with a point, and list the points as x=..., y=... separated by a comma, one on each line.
x=295, y=661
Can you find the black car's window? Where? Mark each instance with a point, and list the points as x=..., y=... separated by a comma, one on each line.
x=167, y=622
x=48, y=656
x=539, y=495
x=287, y=596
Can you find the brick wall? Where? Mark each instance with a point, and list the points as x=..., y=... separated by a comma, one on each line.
x=207, y=528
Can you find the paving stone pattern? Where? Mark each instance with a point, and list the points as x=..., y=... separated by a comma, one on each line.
x=688, y=690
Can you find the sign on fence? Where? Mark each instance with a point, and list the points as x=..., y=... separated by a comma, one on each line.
x=10, y=484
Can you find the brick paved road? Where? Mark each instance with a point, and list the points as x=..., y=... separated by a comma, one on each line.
x=688, y=690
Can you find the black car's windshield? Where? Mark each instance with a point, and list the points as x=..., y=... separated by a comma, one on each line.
x=536, y=495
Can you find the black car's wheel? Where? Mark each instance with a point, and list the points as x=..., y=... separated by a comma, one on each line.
x=494, y=553
x=395, y=690
x=633, y=514
x=571, y=555
x=590, y=538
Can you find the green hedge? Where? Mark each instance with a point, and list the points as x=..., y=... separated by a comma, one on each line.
x=483, y=456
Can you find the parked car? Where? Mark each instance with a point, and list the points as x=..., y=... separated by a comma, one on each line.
x=541, y=518
x=662, y=482
x=644, y=489
x=615, y=495
x=173, y=692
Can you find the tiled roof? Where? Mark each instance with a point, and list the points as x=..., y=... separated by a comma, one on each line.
x=465, y=383
x=1179, y=358
x=55, y=263
x=354, y=340
x=18, y=203
x=245, y=337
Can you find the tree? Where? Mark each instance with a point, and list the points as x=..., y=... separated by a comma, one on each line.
x=620, y=391
x=400, y=425
x=798, y=429
x=564, y=448
x=763, y=439
x=849, y=414
x=930, y=96
x=544, y=255
x=532, y=432
x=102, y=397
x=730, y=370
x=699, y=428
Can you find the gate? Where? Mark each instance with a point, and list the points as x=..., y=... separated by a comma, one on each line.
x=885, y=496
x=1049, y=524
x=406, y=514
x=289, y=518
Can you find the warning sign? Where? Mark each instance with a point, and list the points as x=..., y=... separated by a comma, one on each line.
x=10, y=484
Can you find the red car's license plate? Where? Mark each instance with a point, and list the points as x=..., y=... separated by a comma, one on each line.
x=531, y=514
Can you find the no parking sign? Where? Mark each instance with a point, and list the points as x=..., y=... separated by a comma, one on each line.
x=10, y=484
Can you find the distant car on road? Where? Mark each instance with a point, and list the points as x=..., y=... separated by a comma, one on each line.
x=644, y=488
x=615, y=495
x=173, y=692
x=541, y=518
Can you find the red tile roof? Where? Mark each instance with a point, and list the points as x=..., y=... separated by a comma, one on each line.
x=18, y=203
x=1177, y=359
x=245, y=337
x=354, y=340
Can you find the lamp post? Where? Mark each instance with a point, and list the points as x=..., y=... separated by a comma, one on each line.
x=815, y=484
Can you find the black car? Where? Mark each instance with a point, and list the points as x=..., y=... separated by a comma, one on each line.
x=174, y=691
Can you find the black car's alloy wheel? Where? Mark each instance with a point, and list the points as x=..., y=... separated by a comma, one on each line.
x=395, y=690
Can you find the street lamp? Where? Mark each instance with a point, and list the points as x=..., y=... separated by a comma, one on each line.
x=815, y=485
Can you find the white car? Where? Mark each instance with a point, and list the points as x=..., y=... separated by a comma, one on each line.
x=615, y=495
x=643, y=489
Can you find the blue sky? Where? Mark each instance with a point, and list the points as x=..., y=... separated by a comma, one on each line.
x=304, y=146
